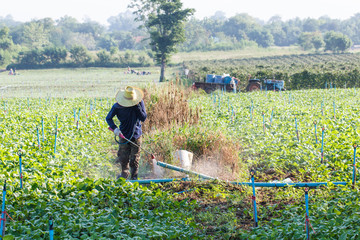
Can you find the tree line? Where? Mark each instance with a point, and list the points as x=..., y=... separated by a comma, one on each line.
x=64, y=41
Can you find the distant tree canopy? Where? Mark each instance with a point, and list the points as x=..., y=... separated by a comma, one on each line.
x=217, y=32
x=337, y=42
x=164, y=20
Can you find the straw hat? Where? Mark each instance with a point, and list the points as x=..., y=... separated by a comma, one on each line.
x=130, y=96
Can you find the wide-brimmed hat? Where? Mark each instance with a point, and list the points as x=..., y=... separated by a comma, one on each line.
x=130, y=96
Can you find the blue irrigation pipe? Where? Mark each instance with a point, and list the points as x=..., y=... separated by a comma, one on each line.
x=354, y=167
x=175, y=168
x=322, y=145
x=254, y=198
x=51, y=228
x=299, y=184
x=3, y=211
x=20, y=168
x=166, y=180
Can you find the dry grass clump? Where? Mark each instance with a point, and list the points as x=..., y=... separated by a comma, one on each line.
x=168, y=106
x=214, y=154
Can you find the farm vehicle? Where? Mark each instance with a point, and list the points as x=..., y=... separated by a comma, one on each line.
x=228, y=83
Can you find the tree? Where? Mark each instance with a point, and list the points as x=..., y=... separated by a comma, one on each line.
x=336, y=42
x=164, y=20
x=6, y=46
x=55, y=55
x=79, y=55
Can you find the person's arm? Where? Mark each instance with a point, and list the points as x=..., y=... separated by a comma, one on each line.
x=141, y=111
x=110, y=116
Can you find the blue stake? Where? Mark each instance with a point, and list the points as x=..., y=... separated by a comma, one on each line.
x=79, y=114
x=297, y=132
x=354, y=167
x=316, y=140
x=38, y=137
x=334, y=110
x=2, y=227
x=51, y=228
x=252, y=172
x=56, y=124
x=55, y=142
x=42, y=128
x=263, y=121
x=322, y=145
x=307, y=214
x=20, y=166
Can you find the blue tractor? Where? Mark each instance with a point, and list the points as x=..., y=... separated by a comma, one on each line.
x=269, y=84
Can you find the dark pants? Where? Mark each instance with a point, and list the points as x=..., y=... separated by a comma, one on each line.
x=128, y=157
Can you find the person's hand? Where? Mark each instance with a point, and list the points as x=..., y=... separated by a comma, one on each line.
x=117, y=132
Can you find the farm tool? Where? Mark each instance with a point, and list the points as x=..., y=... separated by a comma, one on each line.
x=122, y=136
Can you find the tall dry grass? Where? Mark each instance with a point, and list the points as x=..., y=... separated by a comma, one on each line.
x=172, y=125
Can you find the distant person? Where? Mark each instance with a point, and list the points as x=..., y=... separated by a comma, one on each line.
x=233, y=85
x=130, y=110
x=11, y=72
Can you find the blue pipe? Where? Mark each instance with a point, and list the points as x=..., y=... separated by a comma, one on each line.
x=55, y=142
x=254, y=201
x=148, y=181
x=256, y=184
x=307, y=214
x=3, y=210
x=51, y=229
x=306, y=184
x=172, y=167
x=297, y=132
x=38, y=137
x=42, y=128
x=354, y=167
x=322, y=145
x=79, y=114
x=316, y=140
x=20, y=166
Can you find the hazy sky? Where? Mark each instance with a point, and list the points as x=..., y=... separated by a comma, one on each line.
x=101, y=10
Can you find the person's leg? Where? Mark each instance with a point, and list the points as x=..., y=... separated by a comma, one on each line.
x=134, y=158
x=123, y=158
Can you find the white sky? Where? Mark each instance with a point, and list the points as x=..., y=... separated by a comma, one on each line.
x=101, y=10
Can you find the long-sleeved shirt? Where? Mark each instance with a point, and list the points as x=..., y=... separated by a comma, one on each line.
x=130, y=119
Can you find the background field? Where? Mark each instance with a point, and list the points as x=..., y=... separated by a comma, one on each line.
x=80, y=82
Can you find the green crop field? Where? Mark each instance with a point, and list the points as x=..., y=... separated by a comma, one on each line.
x=55, y=119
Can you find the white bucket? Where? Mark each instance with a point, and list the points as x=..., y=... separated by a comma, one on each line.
x=158, y=171
x=185, y=158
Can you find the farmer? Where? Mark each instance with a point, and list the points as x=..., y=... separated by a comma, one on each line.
x=130, y=110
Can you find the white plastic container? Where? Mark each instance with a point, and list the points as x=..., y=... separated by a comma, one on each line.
x=185, y=158
x=158, y=171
